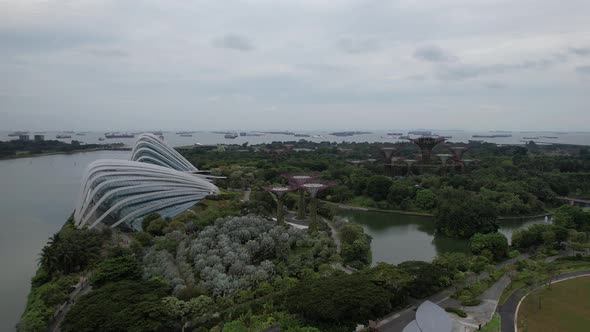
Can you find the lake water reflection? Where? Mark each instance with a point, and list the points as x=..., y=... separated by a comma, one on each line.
x=398, y=238
x=36, y=197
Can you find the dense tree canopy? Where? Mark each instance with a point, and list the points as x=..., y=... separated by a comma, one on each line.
x=462, y=214
x=494, y=243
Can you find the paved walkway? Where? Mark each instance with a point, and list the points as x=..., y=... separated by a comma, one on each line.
x=508, y=309
x=396, y=321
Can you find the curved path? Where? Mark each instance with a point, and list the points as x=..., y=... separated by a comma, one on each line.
x=508, y=309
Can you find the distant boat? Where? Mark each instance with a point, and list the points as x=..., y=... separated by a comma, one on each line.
x=420, y=132
x=231, y=135
x=186, y=135
x=394, y=134
x=491, y=136
x=302, y=135
x=63, y=136
x=533, y=137
x=117, y=135
x=80, y=134
x=101, y=139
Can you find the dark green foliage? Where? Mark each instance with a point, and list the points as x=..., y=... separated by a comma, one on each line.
x=470, y=302
x=572, y=217
x=70, y=250
x=378, y=187
x=129, y=305
x=425, y=199
x=457, y=311
x=144, y=238
x=539, y=234
x=462, y=214
x=117, y=268
x=156, y=226
x=393, y=279
x=43, y=299
x=14, y=147
x=427, y=278
x=148, y=219
x=341, y=299
x=496, y=243
x=356, y=245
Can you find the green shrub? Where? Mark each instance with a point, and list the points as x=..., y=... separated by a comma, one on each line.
x=470, y=302
x=457, y=311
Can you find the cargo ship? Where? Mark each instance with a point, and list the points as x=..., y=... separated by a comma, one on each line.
x=117, y=135
x=231, y=135
x=63, y=136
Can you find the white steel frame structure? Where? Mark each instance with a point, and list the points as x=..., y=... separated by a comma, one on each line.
x=119, y=191
x=150, y=149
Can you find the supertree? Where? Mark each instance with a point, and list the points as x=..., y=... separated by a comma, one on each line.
x=458, y=152
x=313, y=188
x=297, y=180
x=388, y=153
x=278, y=192
x=409, y=162
x=444, y=157
x=426, y=144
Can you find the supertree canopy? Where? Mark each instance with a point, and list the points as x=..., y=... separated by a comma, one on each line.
x=313, y=188
x=297, y=180
x=278, y=192
x=426, y=144
x=458, y=152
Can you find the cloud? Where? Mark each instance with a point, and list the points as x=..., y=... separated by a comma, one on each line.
x=234, y=42
x=356, y=46
x=106, y=53
x=495, y=85
x=462, y=71
x=584, y=70
x=433, y=53
x=582, y=51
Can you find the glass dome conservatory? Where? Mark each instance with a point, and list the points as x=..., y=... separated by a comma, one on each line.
x=119, y=192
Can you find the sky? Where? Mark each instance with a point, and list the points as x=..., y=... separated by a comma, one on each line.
x=305, y=64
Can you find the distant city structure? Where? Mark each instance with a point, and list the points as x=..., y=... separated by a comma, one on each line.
x=426, y=144
x=297, y=181
x=121, y=192
x=39, y=138
x=278, y=192
x=156, y=179
x=430, y=318
x=24, y=138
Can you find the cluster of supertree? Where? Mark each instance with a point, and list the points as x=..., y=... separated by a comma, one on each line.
x=426, y=144
x=309, y=183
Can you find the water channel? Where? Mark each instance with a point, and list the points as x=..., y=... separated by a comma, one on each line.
x=38, y=194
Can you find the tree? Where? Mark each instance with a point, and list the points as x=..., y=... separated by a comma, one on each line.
x=462, y=214
x=425, y=199
x=572, y=217
x=70, y=250
x=339, y=299
x=148, y=219
x=117, y=268
x=427, y=278
x=378, y=187
x=496, y=243
x=186, y=310
x=156, y=227
x=128, y=305
x=399, y=191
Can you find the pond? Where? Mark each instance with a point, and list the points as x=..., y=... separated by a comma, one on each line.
x=399, y=237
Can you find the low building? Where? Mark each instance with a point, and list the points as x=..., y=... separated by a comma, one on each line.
x=39, y=138
x=430, y=318
x=24, y=138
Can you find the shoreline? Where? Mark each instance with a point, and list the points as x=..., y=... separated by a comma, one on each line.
x=423, y=214
x=61, y=153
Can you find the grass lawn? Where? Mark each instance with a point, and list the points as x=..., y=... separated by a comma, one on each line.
x=493, y=325
x=563, y=307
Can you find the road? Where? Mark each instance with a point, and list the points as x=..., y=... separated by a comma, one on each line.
x=508, y=309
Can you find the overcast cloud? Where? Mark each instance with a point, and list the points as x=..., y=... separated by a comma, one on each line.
x=305, y=64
